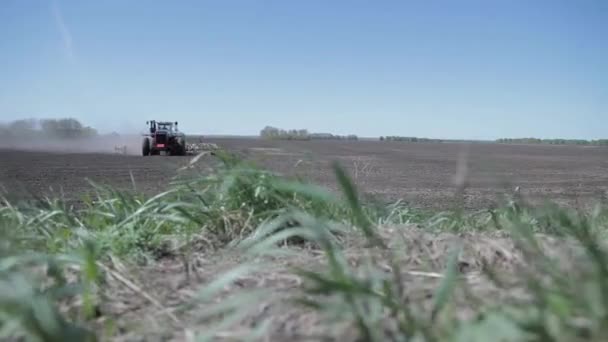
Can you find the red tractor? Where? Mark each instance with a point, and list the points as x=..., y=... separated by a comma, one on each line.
x=164, y=137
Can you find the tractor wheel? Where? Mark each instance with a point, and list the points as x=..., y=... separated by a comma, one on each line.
x=182, y=149
x=145, y=148
x=176, y=151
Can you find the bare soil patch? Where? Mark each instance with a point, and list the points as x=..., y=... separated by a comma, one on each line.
x=30, y=174
x=422, y=257
x=426, y=175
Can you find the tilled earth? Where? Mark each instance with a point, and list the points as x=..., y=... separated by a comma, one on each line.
x=153, y=309
x=426, y=175
x=30, y=175
x=147, y=303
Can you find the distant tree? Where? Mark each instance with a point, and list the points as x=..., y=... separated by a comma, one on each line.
x=22, y=128
x=578, y=142
x=50, y=128
x=410, y=139
x=66, y=129
x=300, y=134
x=23, y=125
x=270, y=132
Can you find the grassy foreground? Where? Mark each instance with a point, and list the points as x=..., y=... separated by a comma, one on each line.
x=550, y=284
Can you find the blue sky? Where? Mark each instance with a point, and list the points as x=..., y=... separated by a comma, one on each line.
x=442, y=69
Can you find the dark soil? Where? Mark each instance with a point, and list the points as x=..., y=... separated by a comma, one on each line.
x=28, y=175
x=426, y=175
x=429, y=175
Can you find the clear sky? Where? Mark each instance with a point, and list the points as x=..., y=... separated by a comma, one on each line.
x=444, y=69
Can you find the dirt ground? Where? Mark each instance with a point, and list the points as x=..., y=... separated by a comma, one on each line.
x=421, y=256
x=426, y=175
x=145, y=303
x=28, y=175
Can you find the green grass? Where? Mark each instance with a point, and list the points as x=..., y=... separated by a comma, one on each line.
x=52, y=259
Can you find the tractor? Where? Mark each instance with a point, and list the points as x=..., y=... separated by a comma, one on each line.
x=163, y=137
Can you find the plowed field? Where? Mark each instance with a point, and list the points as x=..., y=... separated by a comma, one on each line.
x=426, y=175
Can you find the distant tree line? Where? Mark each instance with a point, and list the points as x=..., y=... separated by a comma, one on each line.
x=330, y=136
x=278, y=133
x=46, y=128
x=600, y=142
x=301, y=134
x=270, y=132
x=408, y=139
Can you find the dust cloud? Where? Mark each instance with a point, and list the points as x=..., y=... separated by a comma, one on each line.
x=107, y=144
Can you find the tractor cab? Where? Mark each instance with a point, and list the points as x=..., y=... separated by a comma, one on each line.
x=167, y=126
x=164, y=126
